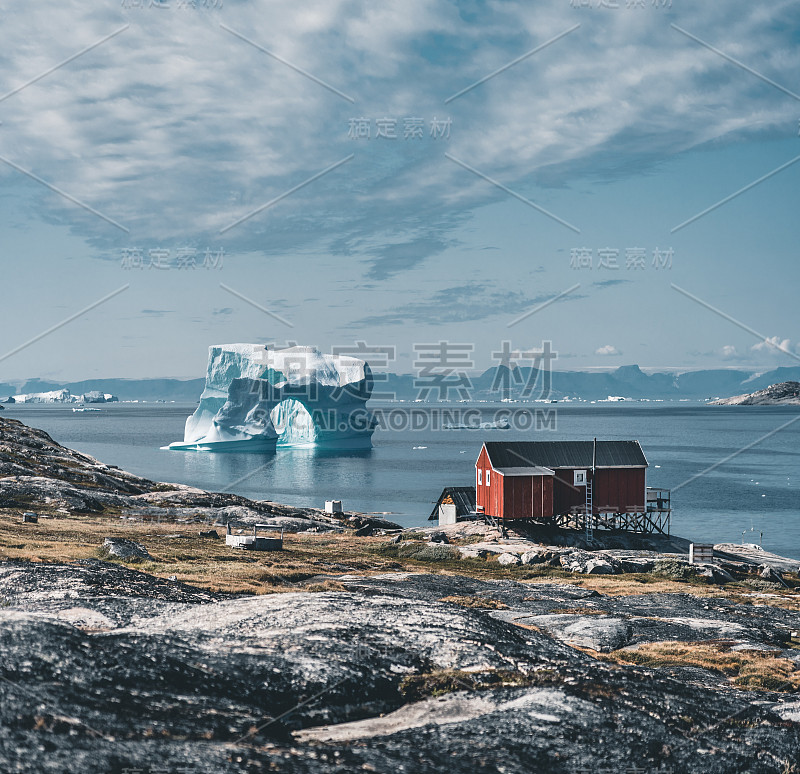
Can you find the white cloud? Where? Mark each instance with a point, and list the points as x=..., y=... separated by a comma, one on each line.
x=607, y=350
x=773, y=345
x=728, y=352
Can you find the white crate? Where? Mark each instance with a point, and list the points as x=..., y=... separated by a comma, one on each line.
x=701, y=553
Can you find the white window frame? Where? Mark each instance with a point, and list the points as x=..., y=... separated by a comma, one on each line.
x=480, y=477
x=487, y=478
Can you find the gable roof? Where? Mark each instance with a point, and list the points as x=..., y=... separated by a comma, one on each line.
x=565, y=454
x=462, y=496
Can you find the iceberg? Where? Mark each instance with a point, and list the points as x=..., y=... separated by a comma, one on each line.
x=257, y=398
x=54, y=396
x=95, y=396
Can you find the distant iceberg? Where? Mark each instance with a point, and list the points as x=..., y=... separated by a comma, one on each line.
x=61, y=396
x=54, y=396
x=257, y=398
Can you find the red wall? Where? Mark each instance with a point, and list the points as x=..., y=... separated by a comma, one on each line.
x=615, y=490
x=490, y=497
x=565, y=498
x=527, y=497
x=619, y=490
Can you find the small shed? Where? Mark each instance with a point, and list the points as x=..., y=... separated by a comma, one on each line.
x=462, y=497
x=254, y=542
x=556, y=480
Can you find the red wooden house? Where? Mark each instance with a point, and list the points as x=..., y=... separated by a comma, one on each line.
x=556, y=480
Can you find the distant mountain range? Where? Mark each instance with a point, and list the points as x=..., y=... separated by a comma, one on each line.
x=494, y=384
x=627, y=381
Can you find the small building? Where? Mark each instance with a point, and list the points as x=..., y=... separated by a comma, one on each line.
x=454, y=503
x=580, y=484
x=254, y=542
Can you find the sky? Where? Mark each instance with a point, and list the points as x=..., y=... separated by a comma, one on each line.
x=618, y=177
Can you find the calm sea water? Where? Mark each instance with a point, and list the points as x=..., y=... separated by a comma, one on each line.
x=756, y=491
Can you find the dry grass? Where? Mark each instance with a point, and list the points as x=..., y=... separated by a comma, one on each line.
x=202, y=562
x=431, y=684
x=577, y=611
x=178, y=550
x=479, y=603
x=749, y=669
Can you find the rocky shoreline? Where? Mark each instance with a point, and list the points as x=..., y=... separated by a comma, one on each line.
x=783, y=394
x=38, y=473
x=421, y=652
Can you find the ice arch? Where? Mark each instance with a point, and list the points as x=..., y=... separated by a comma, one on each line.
x=293, y=423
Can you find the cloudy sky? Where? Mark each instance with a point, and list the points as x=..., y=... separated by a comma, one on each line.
x=603, y=174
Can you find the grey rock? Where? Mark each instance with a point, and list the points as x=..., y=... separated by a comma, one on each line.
x=599, y=567
x=715, y=574
x=599, y=633
x=534, y=557
x=469, y=552
x=636, y=564
x=127, y=550
x=578, y=560
x=509, y=559
x=767, y=573
x=788, y=711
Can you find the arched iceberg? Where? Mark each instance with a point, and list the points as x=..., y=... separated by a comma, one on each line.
x=257, y=398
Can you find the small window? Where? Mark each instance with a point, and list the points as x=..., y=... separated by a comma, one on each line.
x=480, y=476
x=487, y=478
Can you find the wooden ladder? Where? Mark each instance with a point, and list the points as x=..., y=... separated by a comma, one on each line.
x=589, y=509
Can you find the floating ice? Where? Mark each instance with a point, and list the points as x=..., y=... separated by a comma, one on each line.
x=257, y=398
x=54, y=396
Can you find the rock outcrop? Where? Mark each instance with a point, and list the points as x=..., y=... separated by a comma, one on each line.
x=129, y=550
x=38, y=473
x=783, y=394
x=104, y=669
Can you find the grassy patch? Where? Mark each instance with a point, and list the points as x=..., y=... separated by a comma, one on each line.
x=438, y=683
x=750, y=669
x=479, y=603
x=414, y=536
x=577, y=611
x=307, y=559
x=199, y=561
x=429, y=552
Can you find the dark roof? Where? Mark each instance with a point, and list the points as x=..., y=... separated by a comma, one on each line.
x=565, y=454
x=463, y=497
